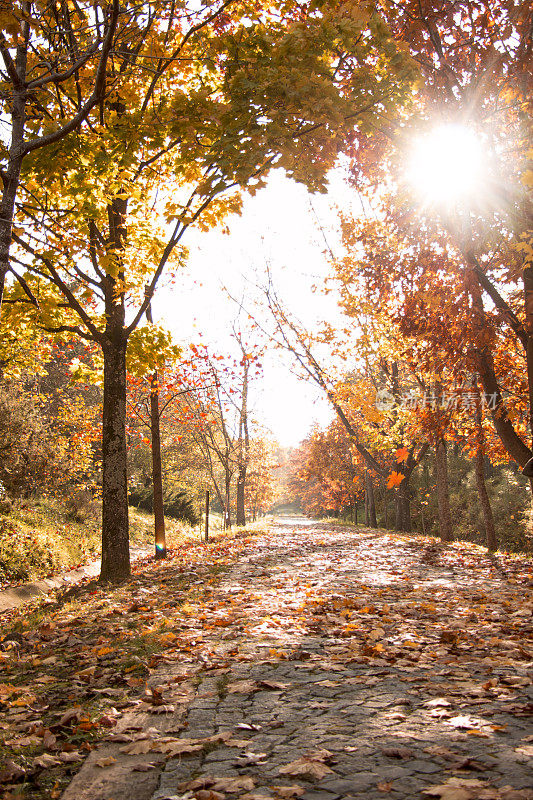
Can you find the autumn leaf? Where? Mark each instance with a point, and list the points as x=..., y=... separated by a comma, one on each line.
x=242, y=687
x=108, y=761
x=311, y=764
x=220, y=784
x=458, y=789
x=395, y=478
x=165, y=708
x=70, y=757
x=288, y=792
x=45, y=761
x=136, y=748
x=144, y=766
x=401, y=454
x=9, y=771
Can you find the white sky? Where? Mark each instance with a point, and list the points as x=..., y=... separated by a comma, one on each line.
x=279, y=227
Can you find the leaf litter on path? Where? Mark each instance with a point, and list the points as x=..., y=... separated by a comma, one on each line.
x=454, y=627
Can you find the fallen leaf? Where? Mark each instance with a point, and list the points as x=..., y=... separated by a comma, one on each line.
x=70, y=758
x=438, y=702
x=161, y=709
x=274, y=685
x=179, y=747
x=457, y=789
x=463, y=721
x=70, y=715
x=242, y=687
x=46, y=761
x=286, y=792
x=9, y=771
x=136, y=748
x=306, y=766
x=238, y=742
x=105, y=762
x=234, y=785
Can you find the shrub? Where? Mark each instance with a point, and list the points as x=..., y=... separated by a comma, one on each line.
x=81, y=506
x=176, y=504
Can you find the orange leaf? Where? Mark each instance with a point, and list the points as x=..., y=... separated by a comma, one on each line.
x=401, y=454
x=395, y=478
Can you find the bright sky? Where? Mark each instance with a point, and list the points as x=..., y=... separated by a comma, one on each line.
x=277, y=227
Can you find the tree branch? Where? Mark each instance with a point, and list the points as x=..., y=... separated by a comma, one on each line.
x=94, y=99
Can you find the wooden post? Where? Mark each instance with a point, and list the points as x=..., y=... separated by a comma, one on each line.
x=207, y=515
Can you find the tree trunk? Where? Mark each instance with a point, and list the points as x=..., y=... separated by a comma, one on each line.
x=479, y=467
x=243, y=449
x=423, y=520
x=443, y=494
x=513, y=443
x=227, y=514
x=240, y=511
x=9, y=194
x=403, y=507
x=490, y=533
x=115, y=533
x=157, y=471
x=7, y=209
x=528, y=308
x=11, y=178
x=370, y=502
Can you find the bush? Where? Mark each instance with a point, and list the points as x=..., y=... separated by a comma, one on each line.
x=176, y=504
x=22, y=554
x=5, y=506
x=81, y=506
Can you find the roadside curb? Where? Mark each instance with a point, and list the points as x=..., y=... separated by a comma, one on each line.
x=19, y=595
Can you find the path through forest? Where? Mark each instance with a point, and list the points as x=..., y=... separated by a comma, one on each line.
x=323, y=662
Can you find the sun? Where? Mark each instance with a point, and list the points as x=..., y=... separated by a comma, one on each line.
x=447, y=165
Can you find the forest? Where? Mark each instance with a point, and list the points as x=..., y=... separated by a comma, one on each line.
x=129, y=131
x=112, y=153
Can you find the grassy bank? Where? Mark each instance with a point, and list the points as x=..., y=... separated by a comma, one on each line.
x=40, y=537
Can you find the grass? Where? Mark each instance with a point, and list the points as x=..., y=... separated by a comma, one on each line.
x=39, y=538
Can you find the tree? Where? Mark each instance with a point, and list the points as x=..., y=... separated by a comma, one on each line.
x=183, y=471
x=408, y=273
x=327, y=474
x=475, y=59
x=244, y=89
x=260, y=488
x=157, y=473
x=247, y=369
x=354, y=401
x=54, y=76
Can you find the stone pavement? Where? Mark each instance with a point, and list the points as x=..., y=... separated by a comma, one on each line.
x=346, y=666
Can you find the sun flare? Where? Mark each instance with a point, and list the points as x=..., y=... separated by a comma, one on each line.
x=447, y=165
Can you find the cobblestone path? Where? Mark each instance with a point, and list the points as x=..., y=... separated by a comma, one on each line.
x=344, y=664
